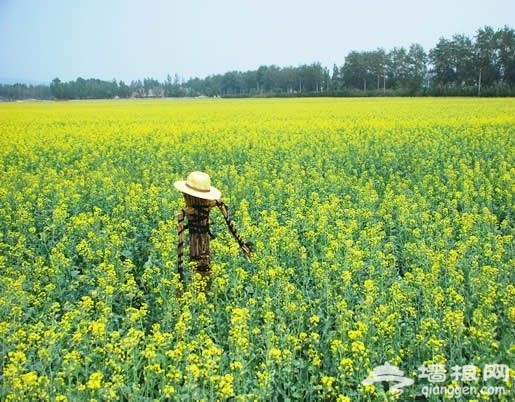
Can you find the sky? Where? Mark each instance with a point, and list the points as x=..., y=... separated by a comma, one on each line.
x=129, y=40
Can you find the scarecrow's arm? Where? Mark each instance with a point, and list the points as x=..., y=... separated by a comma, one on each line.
x=180, y=244
x=245, y=247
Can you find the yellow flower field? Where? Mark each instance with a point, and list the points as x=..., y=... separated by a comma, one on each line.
x=383, y=232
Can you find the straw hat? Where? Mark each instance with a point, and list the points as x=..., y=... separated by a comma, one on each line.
x=198, y=184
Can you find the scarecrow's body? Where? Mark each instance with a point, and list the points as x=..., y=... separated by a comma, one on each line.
x=197, y=214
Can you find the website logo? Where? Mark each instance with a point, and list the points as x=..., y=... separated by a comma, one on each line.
x=387, y=372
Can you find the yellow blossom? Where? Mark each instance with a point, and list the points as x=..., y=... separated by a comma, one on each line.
x=95, y=380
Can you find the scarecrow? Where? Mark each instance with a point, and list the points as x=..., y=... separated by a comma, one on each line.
x=200, y=197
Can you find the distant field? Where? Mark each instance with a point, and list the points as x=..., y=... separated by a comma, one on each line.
x=383, y=231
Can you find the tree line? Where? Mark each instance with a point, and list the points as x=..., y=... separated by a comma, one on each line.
x=24, y=91
x=483, y=65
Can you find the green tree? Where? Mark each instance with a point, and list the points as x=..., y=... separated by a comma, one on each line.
x=416, y=67
x=57, y=88
x=124, y=91
x=336, y=79
x=464, y=60
x=506, y=48
x=454, y=62
x=487, y=57
x=356, y=71
x=443, y=69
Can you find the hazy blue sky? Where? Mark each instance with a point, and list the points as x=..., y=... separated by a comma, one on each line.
x=41, y=40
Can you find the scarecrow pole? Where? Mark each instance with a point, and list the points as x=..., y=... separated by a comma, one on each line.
x=200, y=197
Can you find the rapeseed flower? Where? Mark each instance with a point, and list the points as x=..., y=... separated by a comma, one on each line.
x=382, y=230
